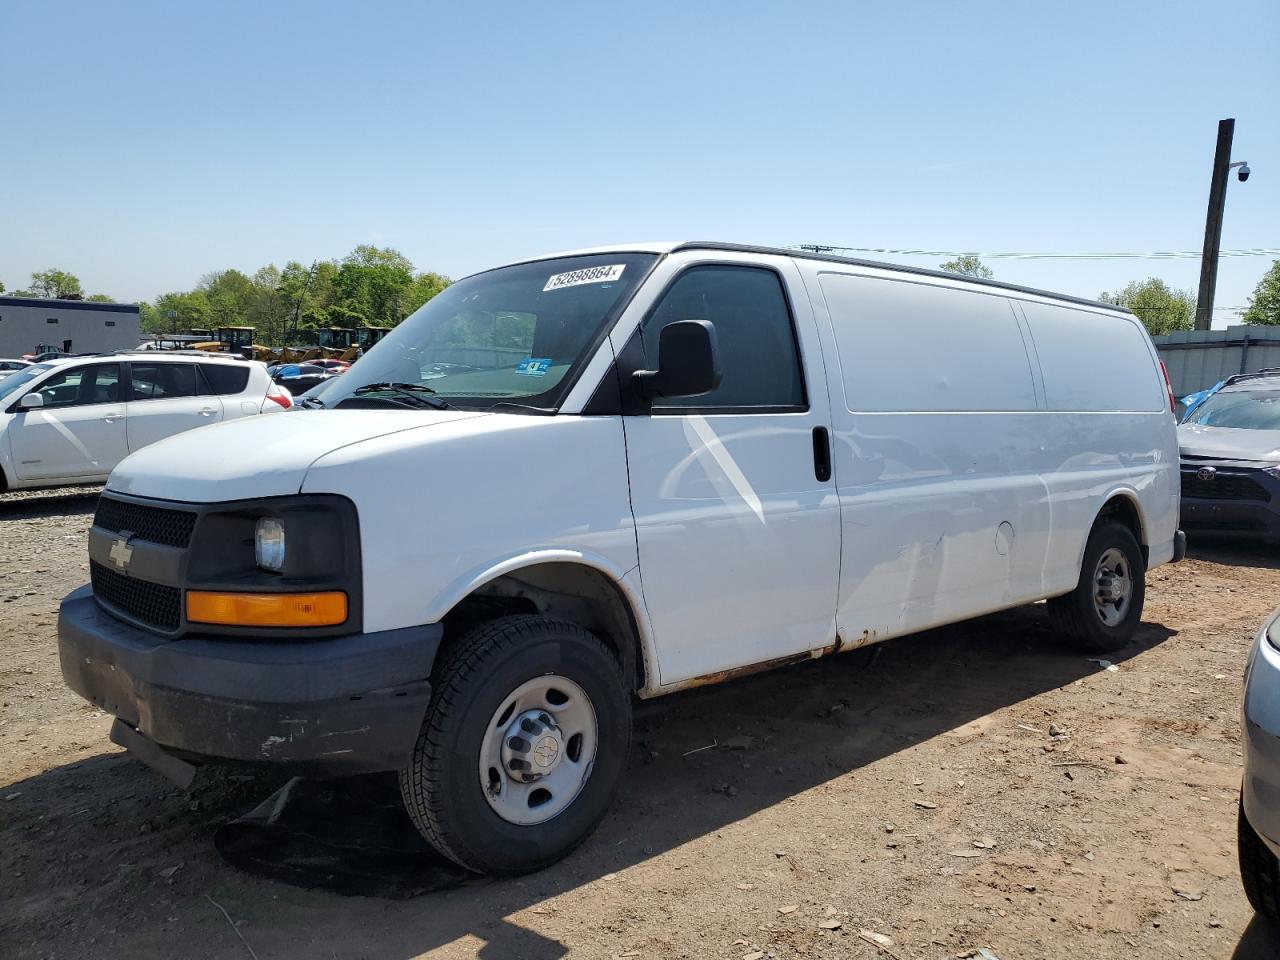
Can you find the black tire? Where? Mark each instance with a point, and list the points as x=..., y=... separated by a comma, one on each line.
x=1075, y=616
x=1259, y=869
x=441, y=786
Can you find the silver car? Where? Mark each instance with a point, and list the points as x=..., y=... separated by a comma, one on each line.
x=1230, y=451
x=1259, y=827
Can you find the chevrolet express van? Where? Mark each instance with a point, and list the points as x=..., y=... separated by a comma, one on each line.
x=618, y=473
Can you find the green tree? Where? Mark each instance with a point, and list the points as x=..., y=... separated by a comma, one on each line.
x=424, y=287
x=177, y=312
x=1, y=288
x=372, y=284
x=54, y=283
x=1264, y=304
x=967, y=266
x=1160, y=308
x=100, y=298
x=229, y=293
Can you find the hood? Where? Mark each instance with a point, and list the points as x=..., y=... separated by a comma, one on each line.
x=262, y=456
x=1228, y=443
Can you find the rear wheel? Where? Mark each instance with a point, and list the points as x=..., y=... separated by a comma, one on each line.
x=1102, y=613
x=1259, y=869
x=523, y=745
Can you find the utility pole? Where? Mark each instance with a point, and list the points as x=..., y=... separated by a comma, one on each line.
x=1213, y=225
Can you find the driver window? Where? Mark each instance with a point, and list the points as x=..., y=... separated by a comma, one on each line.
x=84, y=385
x=759, y=362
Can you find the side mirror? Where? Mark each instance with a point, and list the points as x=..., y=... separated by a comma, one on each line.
x=688, y=362
x=31, y=401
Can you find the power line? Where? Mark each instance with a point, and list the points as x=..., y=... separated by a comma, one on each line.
x=1021, y=255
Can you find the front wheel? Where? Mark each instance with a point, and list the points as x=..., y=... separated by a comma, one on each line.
x=524, y=743
x=1259, y=869
x=1102, y=613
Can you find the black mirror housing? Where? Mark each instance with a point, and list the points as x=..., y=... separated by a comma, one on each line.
x=688, y=362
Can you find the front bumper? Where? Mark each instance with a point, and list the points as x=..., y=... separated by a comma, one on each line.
x=1261, y=726
x=321, y=707
x=1251, y=512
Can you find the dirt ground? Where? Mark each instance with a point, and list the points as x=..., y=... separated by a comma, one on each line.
x=913, y=791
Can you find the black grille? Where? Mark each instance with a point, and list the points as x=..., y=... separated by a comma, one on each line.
x=150, y=603
x=155, y=524
x=1224, y=486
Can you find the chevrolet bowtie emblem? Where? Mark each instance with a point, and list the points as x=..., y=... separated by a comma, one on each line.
x=121, y=552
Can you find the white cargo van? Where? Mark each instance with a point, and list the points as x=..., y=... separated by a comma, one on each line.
x=621, y=472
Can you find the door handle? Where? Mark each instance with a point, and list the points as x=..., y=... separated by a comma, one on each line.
x=821, y=454
x=207, y=411
x=112, y=417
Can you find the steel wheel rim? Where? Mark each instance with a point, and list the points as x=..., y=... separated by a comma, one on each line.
x=1112, y=587
x=537, y=778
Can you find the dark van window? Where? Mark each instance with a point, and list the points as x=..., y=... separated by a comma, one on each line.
x=224, y=379
x=163, y=381
x=758, y=358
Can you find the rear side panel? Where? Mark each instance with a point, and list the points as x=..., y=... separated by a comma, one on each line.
x=962, y=489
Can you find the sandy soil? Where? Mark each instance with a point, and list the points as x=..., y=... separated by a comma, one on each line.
x=913, y=791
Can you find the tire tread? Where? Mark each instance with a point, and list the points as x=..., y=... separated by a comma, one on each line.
x=1259, y=870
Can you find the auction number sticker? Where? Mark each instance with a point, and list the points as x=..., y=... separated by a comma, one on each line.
x=574, y=278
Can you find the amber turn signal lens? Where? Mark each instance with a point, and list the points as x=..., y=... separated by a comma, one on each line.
x=267, y=609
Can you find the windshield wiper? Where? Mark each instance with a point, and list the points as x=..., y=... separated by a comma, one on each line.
x=422, y=395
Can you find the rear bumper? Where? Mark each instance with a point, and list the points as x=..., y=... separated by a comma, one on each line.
x=320, y=707
x=1261, y=788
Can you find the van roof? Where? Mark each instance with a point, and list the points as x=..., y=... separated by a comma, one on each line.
x=664, y=247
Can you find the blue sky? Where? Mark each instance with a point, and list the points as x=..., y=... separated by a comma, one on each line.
x=144, y=144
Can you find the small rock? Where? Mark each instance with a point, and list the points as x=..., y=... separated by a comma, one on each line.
x=754, y=955
x=787, y=910
x=1215, y=923
x=965, y=853
x=1029, y=887
x=1056, y=731
x=889, y=828
x=610, y=876
x=985, y=843
x=168, y=872
x=12, y=796
x=831, y=924
x=926, y=805
x=1120, y=759
x=1188, y=894
x=746, y=886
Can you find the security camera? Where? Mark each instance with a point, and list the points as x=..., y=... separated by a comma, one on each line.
x=1243, y=172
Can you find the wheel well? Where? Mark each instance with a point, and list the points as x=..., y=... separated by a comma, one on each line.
x=567, y=590
x=1123, y=510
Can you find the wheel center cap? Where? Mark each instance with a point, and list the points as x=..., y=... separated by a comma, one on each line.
x=532, y=746
x=546, y=752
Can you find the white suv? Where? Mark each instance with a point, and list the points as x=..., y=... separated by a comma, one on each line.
x=71, y=420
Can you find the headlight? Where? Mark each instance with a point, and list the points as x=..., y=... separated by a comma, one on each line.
x=268, y=544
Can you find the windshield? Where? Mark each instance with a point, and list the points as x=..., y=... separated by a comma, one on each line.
x=17, y=381
x=1244, y=410
x=517, y=334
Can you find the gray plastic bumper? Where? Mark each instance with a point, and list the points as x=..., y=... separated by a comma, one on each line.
x=322, y=707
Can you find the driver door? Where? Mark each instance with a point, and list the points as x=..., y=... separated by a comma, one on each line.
x=80, y=430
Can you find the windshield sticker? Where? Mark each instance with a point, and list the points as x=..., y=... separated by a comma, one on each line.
x=533, y=366
x=574, y=278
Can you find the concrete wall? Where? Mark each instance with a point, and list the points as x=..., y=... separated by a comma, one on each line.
x=91, y=327
x=1200, y=358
